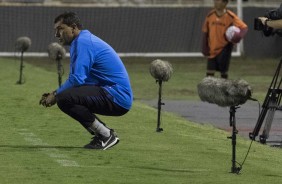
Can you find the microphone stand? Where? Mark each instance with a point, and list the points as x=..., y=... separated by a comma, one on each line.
x=21, y=69
x=159, y=106
x=232, y=120
x=59, y=69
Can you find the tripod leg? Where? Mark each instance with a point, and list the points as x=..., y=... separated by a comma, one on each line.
x=270, y=94
x=267, y=126
x=261, y=117
x=272, y=107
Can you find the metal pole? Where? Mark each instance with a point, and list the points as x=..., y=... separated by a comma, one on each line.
x=59, y=68
x=240, y=15
x=232, y=111
x=159, y=106
x=21, y=69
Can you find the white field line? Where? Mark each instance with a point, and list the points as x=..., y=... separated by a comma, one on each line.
x=53, y=153
x=64, y=160
x=67, y=163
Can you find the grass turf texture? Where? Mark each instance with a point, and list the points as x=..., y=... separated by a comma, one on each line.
x=34, y=139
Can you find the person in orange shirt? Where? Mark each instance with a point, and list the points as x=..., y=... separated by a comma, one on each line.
x=215, y=45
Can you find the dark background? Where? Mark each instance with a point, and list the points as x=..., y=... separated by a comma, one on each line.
x=130, y=29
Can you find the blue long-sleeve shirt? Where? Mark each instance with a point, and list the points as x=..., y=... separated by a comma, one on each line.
x=94, y=62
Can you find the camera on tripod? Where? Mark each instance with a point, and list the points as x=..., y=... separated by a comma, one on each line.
x=274, y=14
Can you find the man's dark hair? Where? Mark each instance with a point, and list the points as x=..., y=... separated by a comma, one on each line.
x=69, y=18
x=226, y=1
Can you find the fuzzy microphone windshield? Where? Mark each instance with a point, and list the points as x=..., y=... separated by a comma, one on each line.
x=22, y=44
x=224, y=92
x=56, y=51
x=161, y=70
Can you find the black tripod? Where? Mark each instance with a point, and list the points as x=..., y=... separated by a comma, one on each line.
x=159, y=106
x=270, y=105
x=232, y=120
x=21, y=70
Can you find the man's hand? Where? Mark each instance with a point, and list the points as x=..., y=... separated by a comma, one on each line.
x=43, y=98
x=263, y=20
x=48, y=99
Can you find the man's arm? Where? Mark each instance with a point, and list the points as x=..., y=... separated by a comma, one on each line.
x=205, y=39
x=238, y=36
x=205, y=44
x=80, y=67
x=276, y=24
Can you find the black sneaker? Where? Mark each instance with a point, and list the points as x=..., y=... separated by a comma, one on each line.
x=103, y=143
x=95, y=143
x=108, y=142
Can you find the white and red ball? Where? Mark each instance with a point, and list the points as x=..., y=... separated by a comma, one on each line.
x=232, y=34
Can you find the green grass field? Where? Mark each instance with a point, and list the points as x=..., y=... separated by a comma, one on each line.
x=188, y=72
x=43, y=145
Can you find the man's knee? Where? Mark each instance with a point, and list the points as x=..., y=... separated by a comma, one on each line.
x=63, y=99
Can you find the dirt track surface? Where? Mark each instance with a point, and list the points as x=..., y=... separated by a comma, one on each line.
x=205, y=113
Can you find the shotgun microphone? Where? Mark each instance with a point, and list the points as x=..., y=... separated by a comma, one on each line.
x=224, y=92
